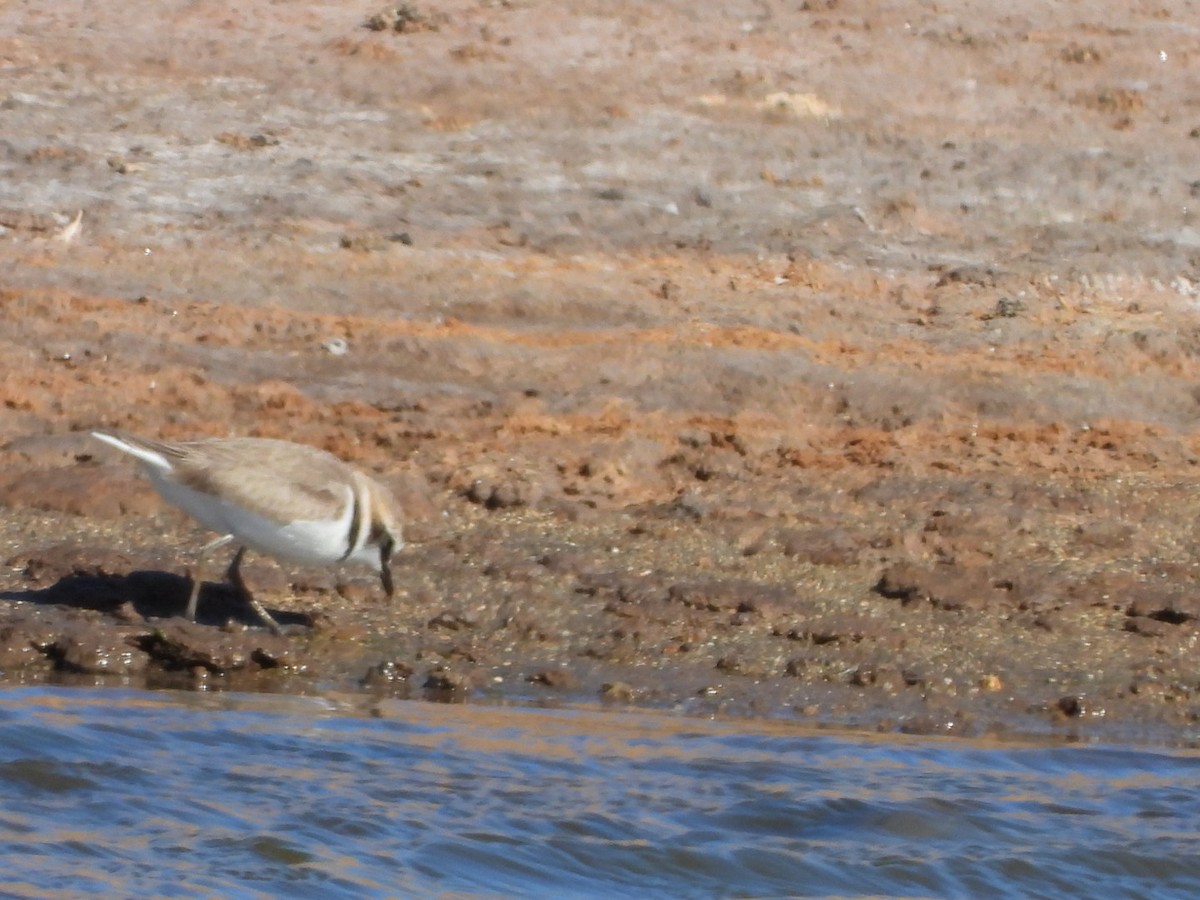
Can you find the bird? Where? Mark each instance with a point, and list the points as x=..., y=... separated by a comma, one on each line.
x=286, y=500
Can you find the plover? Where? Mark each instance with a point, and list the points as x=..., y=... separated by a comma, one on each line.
x=282, y=499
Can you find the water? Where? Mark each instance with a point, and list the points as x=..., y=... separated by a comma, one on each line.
x=121, y=793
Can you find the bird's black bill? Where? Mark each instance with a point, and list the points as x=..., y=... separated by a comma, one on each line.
x=385, y=569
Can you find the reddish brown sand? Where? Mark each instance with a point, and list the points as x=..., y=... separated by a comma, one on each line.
x=830, y=360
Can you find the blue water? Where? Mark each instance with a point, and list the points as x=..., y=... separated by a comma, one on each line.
x=122, y=793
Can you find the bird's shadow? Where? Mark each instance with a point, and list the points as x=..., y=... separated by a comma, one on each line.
x=149, y=594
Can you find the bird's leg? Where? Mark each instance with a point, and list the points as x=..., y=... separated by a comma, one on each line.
x=235, y=578
x=194, y=597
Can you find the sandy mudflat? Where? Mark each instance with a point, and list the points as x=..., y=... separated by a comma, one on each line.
x=812, y=360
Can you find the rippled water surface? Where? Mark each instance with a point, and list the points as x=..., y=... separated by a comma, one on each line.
x=135, y=794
